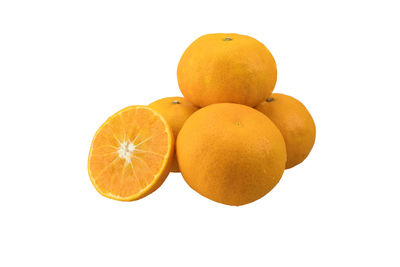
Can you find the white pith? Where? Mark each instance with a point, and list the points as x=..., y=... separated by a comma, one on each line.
x=126, y=150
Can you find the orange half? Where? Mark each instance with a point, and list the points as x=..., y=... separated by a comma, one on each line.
x=131, y=154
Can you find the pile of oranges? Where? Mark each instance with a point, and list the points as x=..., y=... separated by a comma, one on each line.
x=229, y=136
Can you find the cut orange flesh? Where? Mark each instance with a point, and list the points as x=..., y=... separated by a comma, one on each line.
x=131, y=154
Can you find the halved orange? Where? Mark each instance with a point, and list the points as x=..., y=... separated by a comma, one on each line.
x=131, y=154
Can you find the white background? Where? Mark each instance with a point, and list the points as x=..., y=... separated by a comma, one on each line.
x=65, y=66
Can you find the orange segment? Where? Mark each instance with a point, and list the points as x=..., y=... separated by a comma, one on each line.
x=131, y=154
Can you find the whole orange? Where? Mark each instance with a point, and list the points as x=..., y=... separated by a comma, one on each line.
x=175, y=111
x=231, y=153
x=223, y=67
x=295, y=123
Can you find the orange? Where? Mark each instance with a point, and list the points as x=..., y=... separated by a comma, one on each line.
x=131, y=154
x=219, y=68
x=175, y=110
x=295, y=123
x=231, y=153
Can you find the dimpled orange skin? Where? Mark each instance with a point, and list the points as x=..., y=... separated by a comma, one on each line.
x=175, y=111
x=231, y=153
x=226, y=67
x=295, y=123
